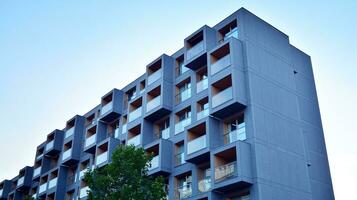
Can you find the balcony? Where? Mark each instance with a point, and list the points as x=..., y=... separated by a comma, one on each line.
x=202, y=85
x=183, y=95
x=101, y=158
x=42, y=188
x=1, y=190
x=20, y=181
x=222, y=97
x=154, y=76
x=220, y=64
x=202, y=114
x=123, y=129
x=197, y=144
x=154, y=163
x=67, y=154
x=37, y=172
x=136, y=140
x=184, y=191
x=135, y=114
x=69, y=133
x=236, y=135
x=83, y=172
x=164, y=134
x=225, y=171
x=180, y=126
x=83, y=192
x=52, y=183
x=90, y=140
x=204, y=185
x=154, y=103
x=195, y=50
x=106, y=108
x=39, y=156
x=49, y=145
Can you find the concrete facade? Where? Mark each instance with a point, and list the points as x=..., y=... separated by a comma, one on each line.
x=232, y=115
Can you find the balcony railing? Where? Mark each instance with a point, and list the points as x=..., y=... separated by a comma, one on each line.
x=69, y=132
x=42, y=188
x=49, y=145
x=155, y=102
x=34, y=196
x=195, y=50
x=233, y=33
x=83, y=172
x=66, y=154
x=83, y=192
x=225, y=171
x=133, y=115
x=154, y=76
x=221, y=64
x=39, y=156
x=52, y=183
x=37, y=172
x=164, y=134
x=1, y=192
x=90, y=140
x=116, y=133
x=222, y=97
x=106, y=108
x=136, y=140
x=20, y=181
x=197, y=144
x=123, y=129
x=184, y=191
x=202, y=85
x=204, y=185
x=202, y=114
x=154, y=163
x=101, y=158
x=236, y=135
x=179, y=159
x=180, y=126
x=183, y=95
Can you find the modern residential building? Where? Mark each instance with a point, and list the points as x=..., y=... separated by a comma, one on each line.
x=232, y=115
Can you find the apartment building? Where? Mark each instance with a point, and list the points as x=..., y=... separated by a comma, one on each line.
x=232, y=115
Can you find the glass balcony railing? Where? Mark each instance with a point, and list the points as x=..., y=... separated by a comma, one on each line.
x=204, y=185
x=221, y=64
x=83, y=192
x=52, y=183
x=101, y=158
x=20, y=181
x=180, y=126
x=233, y=33
x=136, y=140
x=154, y=76
x=236, y=135
x=221, y=97
x=39, y=156
x=42, y=188
x=83, y=172
x=34, y=196
x=197, y=144
x=154, y=163
x=202, y=114
x=225, y=171
x=49, y=145
x=183, y=95
x=1, y=192
x=66, y=154
x=195, y=50
x=184, y=191
x=37, y=172
x=155, y=102
x=179, y=159
x=164, y=134
x=133, y=115
x=69, y=132
x=106, y=108
x=90, y=140
x=123, y=129
x=202, y=85
x=116, y=133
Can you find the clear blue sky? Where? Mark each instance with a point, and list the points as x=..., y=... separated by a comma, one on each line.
x=57, y=58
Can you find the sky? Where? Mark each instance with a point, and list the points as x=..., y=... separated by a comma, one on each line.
x=57, y=58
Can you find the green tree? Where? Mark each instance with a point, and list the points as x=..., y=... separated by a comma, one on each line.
x=125, y=177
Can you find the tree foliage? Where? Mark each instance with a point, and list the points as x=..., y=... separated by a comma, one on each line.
x=125, y=177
